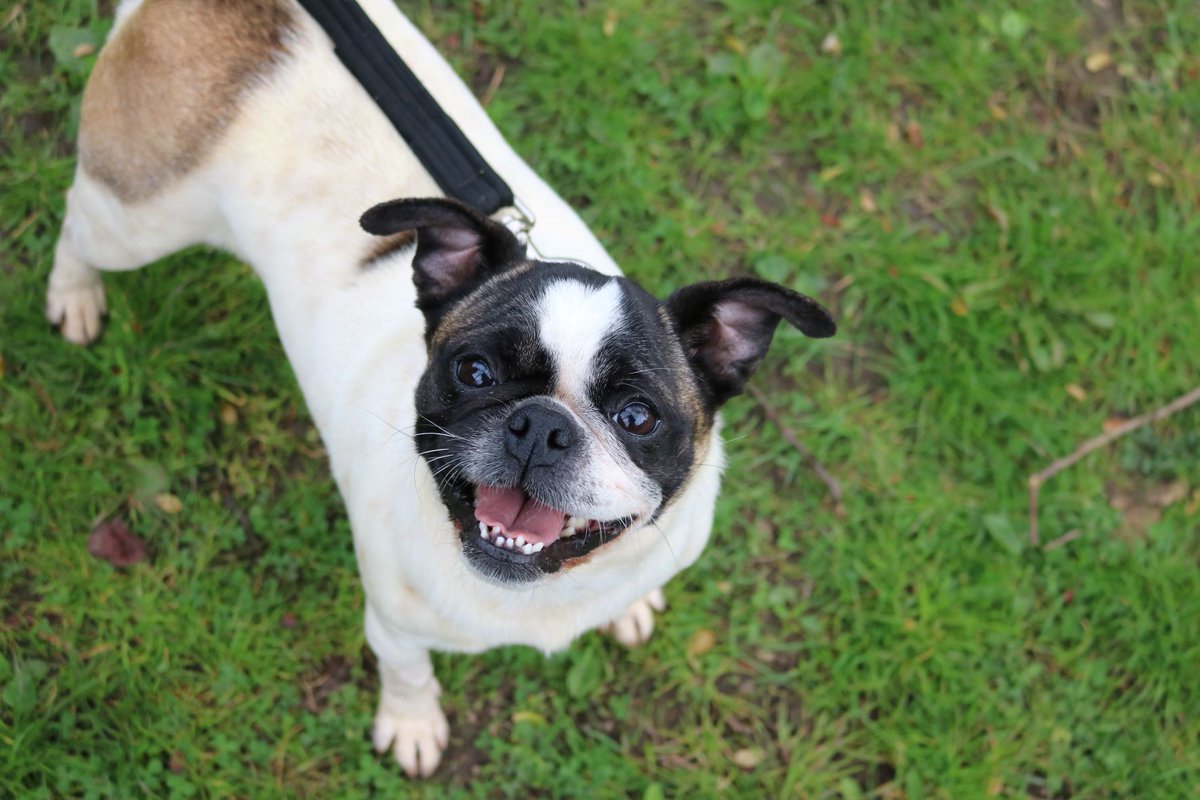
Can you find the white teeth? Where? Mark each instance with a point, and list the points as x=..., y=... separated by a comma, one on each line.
x=496, y=536
x=576, y=522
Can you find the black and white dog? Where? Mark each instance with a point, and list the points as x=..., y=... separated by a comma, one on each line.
x=565, y=438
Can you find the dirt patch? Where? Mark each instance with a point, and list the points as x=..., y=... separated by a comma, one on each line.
x=18, y=602
x=1141, y=503
x=333, y=673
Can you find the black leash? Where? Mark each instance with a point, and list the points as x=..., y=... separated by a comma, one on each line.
x=439, y=144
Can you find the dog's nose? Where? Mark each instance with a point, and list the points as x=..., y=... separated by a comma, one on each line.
x=538, y=436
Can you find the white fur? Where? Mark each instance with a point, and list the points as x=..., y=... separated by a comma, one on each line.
x=306, y=155
x=574, y=320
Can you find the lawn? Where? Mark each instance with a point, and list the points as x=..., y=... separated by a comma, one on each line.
x=1001, y=203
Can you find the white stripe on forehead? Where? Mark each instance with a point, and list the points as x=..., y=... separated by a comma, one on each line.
x=573, y=321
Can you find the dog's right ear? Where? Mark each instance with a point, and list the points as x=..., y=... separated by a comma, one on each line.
x=457, y=247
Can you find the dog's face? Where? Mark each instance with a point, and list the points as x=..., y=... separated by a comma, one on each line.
x=561, y=408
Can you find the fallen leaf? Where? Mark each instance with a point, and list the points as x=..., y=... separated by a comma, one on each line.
x=168, y=503
x=1098, y=61
x=287, y=621
x=1156, y=179
x=85, y=49
x=959, y=306
x=829, y=173
x=996, y=110
x=115, y=543
x=701, y=642
x=229, y=414
x=831, y=45
x=1076, y=391
x=65, y=43
x=892, y=134
x=531, y=717
x=610, y=22
x=912, y=132
x=95, y=650
x=830, y=220
x=998, y=215
x=748, y=757
x=13, y=13
x=866, y=201
x=1112, y=423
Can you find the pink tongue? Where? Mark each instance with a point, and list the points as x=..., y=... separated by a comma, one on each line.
x=517, y=513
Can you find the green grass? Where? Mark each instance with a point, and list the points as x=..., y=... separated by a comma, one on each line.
x=992, y=223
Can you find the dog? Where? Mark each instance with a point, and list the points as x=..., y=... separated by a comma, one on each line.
x=564, y=446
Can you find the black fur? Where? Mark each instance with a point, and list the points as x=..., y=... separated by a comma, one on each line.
x=457, y=248
x=727, y=326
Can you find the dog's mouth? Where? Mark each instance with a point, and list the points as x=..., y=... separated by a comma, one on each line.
x=512, y=536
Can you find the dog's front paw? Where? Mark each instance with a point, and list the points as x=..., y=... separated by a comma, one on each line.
x=77, y=309
x=637, y=624
x=415, y=730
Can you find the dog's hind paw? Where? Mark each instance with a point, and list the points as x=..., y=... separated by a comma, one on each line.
x=416, y=734
x=77, y=310
x=637, y=624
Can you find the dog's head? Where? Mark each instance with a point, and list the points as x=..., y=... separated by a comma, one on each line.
x=561, y=407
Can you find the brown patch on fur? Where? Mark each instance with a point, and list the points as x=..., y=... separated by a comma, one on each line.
x=687, y=393
x=168, y=85
x=385, y=246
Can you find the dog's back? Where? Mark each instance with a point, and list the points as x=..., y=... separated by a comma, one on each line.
x=168, y=84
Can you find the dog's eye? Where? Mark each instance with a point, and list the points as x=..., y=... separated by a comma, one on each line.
x=637, y=418
x=474, y=371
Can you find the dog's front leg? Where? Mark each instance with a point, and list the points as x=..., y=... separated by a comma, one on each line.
x=637, y=623
x=409, y=721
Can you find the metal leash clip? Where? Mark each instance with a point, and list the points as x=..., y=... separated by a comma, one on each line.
x=519, y=219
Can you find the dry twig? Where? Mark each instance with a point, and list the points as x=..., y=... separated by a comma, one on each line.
x=1065, y=539
x=1037, y=479
x=835, y=488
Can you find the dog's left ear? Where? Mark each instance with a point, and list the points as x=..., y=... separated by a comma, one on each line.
x=457, y=247
x=727, y=326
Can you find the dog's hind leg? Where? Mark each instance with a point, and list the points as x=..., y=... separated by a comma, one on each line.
x=75, y=295
x=164, y=91
x=103, y=233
